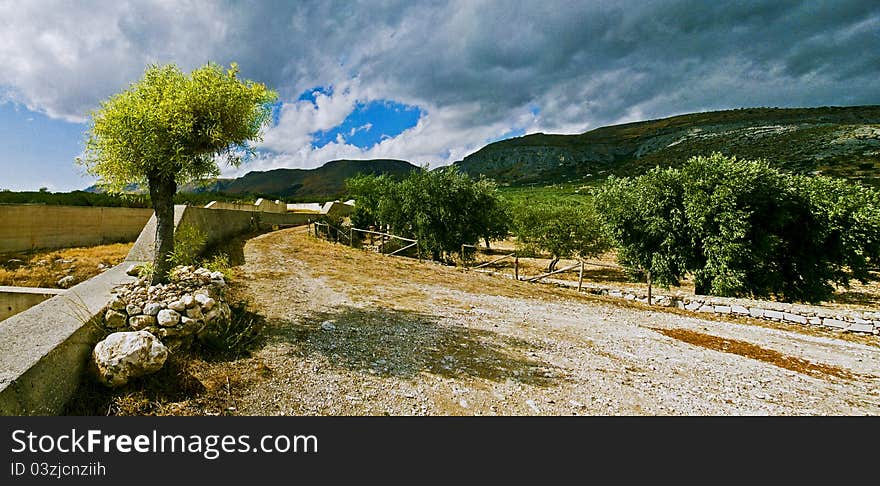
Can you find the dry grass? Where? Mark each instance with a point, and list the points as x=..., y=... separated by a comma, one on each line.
x=361, y=272
x=857, y=297
x=43, y=268
x=753, y=351
x=185, y=386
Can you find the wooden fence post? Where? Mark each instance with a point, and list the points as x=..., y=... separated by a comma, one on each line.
x=463, y=260
x=351, y=236
x=516, y=267
x=649, y=286
x=581, y=278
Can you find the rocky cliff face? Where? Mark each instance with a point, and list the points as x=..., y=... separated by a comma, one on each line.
x=839, y=141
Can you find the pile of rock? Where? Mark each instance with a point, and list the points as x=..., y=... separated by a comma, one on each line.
x=850, y=320
x=190, y=307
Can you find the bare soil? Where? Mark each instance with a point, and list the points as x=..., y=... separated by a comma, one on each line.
x=348, y=332
x=604, y=270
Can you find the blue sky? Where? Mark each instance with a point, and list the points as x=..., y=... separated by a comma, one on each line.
x=424, y=81
x=24, y=135
x=370, y=123
x=38, y=151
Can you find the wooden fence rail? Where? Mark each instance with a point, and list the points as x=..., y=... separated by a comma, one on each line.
x=486, y=264
x=512, y=255
x=382, y=242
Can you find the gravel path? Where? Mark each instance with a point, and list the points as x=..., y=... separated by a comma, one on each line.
x=352, y=333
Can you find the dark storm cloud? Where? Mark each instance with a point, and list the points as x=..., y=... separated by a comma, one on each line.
x=583, y=63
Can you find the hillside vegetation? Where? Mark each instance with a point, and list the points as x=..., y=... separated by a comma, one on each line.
x=835, y=141
x=322, y=183
x=292, y=185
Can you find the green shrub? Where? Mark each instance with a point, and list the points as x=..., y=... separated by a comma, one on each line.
x=145, y=271
x=188, y=243
x=219, y=263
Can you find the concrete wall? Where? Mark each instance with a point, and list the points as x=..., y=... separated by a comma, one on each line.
x=44, y=351
x=268, y=206
x=18, y=299
x=218, y=224
x=230, y=205
x=27, y=226
x=336, y=209
x=261, y=204
x=305, y=207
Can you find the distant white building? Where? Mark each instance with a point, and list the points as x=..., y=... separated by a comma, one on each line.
x=305, y=208
x=335, y=209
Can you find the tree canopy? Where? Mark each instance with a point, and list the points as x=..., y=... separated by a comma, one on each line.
x=170, y=128
x=743, y=228
x=563, y=228
x=443, y=208
x=175, y=125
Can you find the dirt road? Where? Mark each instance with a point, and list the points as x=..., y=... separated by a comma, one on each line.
x=352, y=333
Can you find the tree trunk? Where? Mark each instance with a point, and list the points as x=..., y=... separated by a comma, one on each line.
x=162, y=190
x=552, y=265
x=701, y=287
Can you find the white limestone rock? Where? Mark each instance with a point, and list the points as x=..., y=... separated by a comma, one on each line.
x=152, y=309
x=194, y=313
x=123, y=356
x=140, y=322
x=177, y=306
x=206, y=302
x=168, y=318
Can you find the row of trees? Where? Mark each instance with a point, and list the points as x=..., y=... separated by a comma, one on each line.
x=742, y=228
x=738, y=227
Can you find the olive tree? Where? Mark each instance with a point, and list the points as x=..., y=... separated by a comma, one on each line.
x=442, y=208
x=170, y=128
x=645, y=218
x=562, y=228
x=743, y=228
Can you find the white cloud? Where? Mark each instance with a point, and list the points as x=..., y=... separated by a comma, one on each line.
x=474, y=68
x=61, y=58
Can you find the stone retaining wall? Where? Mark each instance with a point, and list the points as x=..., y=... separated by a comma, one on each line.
x=862, y=321
x=842, y=319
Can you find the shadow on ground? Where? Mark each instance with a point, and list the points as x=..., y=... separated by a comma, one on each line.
x=234, y=247
x=853, y=297
x=387, y=342
x=143, y=396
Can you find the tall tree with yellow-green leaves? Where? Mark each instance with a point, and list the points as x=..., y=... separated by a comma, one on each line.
x=170, y=128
